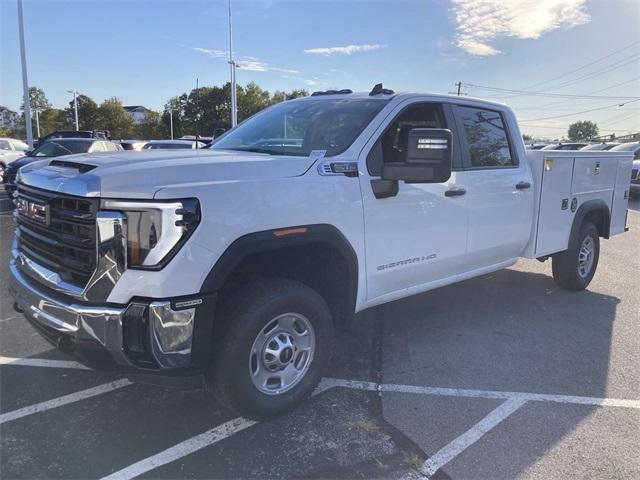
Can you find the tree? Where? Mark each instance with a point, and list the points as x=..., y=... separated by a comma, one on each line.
x=87, y=112
x=112, y=117
x=149, y=128
x=582, y=131
x=38, y=102
x=526, y=138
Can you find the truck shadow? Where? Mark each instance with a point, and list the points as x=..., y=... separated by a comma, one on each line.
x=509, y=331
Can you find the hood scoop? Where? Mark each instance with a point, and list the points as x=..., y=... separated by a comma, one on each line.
x=81, y=167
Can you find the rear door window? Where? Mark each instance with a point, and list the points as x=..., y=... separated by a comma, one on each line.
x=486, y=137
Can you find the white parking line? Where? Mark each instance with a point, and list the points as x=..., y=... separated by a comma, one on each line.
x=182, y=449
x=42, y=362
x=65, y=400
x=471, y=436
x=513, y=401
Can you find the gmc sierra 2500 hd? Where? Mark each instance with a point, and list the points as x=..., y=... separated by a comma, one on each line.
x=238, y=262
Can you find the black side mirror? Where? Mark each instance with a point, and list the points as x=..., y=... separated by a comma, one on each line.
x=217, y=132
x=428, y=158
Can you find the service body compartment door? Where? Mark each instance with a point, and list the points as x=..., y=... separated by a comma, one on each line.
x=555, y=214
x=621, y=196
x=593, y=174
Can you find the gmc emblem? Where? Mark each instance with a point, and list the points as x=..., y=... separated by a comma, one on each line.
x=38, y=212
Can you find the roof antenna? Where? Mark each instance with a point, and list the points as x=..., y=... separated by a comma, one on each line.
x=378, y=89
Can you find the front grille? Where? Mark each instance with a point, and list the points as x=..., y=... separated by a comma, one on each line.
x=63, y=240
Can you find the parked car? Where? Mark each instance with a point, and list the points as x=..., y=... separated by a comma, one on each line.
x=133, y=144
x=10, y=150
x=635, y=172
x=598, y=147
x=238, y=262
x=564, y=146
x=56, y=148
x=536, y=146
x=101, y=134
x=172, y=144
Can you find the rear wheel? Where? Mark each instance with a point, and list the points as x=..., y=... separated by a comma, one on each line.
x=273, y=344
x=574, y=268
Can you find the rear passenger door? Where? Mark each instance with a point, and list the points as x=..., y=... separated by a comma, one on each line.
x=499, y=188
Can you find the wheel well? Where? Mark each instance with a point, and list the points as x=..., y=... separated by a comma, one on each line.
x=321, y=266
x=600, y=218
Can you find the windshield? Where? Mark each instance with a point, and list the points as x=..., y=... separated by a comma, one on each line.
x=57, y=148
x=626, y=147
x=298, y=127
x=155, y=146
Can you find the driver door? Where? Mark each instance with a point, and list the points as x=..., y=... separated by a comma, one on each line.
x=416, y=238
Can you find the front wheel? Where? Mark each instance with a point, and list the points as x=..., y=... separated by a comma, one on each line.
x=273, y=343
x=574, y=268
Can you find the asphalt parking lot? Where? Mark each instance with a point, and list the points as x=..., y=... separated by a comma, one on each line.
x=502, y=376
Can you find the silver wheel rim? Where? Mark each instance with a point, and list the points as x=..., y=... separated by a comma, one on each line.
x=586, y=257
x=282, y=353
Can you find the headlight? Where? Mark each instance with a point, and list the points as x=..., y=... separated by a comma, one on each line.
x=156, y=230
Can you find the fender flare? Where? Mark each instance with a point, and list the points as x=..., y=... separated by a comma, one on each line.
x=587, y=207
x=271, y=240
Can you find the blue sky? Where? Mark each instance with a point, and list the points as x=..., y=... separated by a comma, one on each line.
x=147, y=51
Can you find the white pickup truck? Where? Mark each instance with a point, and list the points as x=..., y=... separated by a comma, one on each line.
x=236, y=263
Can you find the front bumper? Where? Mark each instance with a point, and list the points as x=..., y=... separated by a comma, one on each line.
x=153, y=336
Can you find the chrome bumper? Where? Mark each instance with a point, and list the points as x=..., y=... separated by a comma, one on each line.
x=170, y=331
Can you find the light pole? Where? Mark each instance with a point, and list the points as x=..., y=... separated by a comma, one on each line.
x=25, y=81
x=37, y=122
x=232, y=66
x=171, y=120
x=75, y=107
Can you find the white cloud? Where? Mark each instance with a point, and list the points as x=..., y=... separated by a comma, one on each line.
x=346, y=50
x=245, y=63
x=212, y=53
x=479, y=22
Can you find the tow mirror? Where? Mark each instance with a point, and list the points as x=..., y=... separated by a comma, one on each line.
x=428, y=158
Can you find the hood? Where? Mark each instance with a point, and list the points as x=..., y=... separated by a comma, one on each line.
x=141, y=174
x=21, y=162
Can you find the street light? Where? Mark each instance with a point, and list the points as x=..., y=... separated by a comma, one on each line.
x=170, y=110
x=232, y=66
x=25, y=81
x=75, y=106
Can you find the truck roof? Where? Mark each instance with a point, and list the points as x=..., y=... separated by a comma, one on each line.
x=401, y=96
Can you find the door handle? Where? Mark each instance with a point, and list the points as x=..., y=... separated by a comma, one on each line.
x=523, y=185
x=455, y=192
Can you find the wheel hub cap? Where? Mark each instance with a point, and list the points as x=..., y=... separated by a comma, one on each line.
x=282, y=353
x=585, y=257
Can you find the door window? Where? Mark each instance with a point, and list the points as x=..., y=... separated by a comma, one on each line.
x=4, y=145
x=391, y=147
x=486, y=136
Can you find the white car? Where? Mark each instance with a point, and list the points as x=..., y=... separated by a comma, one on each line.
x=238, y=262
x=10, y=150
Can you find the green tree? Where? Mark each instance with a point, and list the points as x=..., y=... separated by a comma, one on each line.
x=526, y=138
x=53, y=119
x=112, y=117
x=38, y=102
x=582, y=130
x=252, y=99
x=149, y=128
x=87, y=112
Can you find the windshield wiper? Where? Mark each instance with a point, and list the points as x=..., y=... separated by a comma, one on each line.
x=257, y=150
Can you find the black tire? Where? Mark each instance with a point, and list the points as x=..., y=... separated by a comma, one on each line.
x=242, y=317
x=566, y=265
